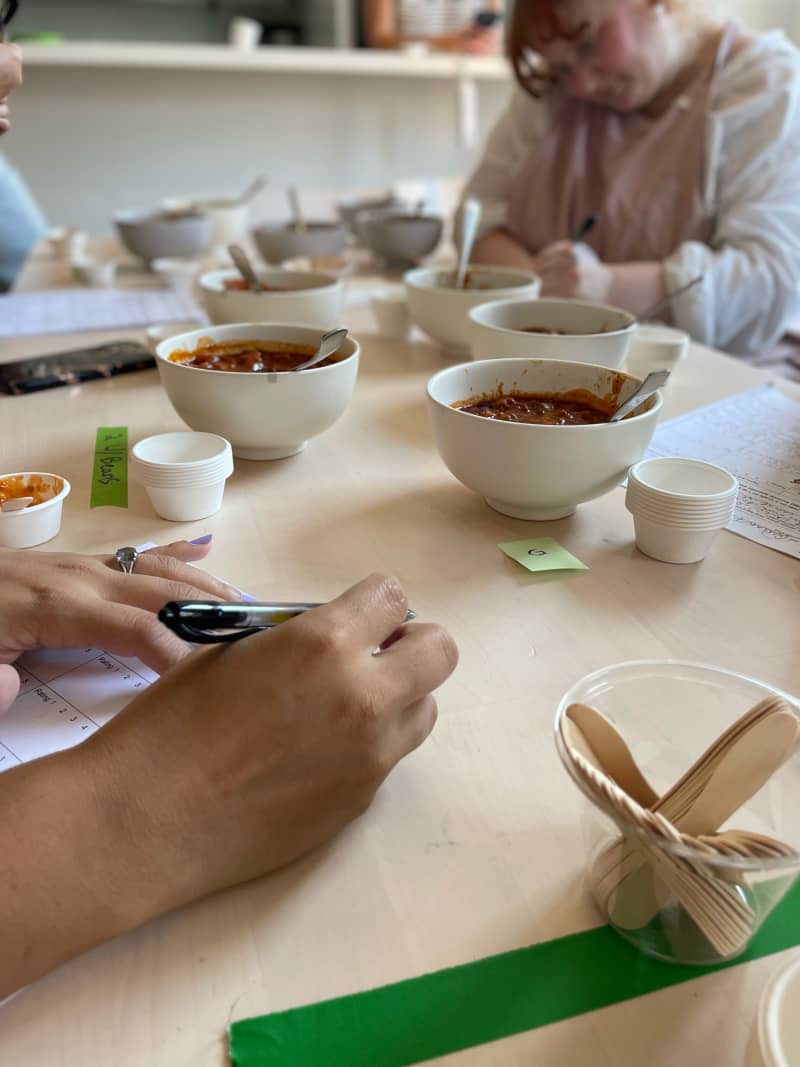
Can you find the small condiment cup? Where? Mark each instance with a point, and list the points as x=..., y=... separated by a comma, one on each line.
x=184, y=473
x=36, y=523
x=655, y=347
x=66, y=242
x=779, y=1018
x=97, y=272
x=390, y=310
x=177, y=274
x=244, y=33
x=679, y=506
x=162, y=331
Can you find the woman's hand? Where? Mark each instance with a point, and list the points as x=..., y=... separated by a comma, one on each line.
x=10, y=79
x=236, y=762
x=58, y=600
x=568, y=269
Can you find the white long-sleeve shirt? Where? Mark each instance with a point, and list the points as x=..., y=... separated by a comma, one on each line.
x=751, y=266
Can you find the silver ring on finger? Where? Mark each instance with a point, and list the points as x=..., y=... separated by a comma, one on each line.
x=126, y=558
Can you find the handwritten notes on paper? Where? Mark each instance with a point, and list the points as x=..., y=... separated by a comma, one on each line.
x=542, y=554
x=110, y=472
x=756, y=436
x=65, y=696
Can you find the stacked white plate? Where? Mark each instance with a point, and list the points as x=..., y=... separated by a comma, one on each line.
x=679, y=506
x=184, y=473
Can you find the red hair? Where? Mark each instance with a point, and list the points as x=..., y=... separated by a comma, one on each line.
x=537, y=22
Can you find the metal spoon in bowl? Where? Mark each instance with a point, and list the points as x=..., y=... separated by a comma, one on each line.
x=245, y=267
x=652, y=383
x=659, y=304
x=470, y=219
x=16, y=503
x=298, y=222
x=328, y=344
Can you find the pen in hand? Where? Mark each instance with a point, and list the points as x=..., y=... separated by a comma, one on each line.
x=211, y=622
x=585, y=228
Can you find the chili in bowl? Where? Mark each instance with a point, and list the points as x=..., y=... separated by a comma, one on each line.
x=304, y=296
x=237, y=381
x=532, y=436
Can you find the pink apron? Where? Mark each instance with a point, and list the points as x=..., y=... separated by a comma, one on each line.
x=645, y=175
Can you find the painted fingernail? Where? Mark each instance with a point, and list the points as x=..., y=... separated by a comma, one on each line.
x=204, y=540
x=247, y=598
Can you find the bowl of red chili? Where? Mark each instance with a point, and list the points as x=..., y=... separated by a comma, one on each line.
x=532, y=436
x=239, y=381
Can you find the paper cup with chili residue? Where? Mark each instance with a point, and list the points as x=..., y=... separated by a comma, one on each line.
x=39, y=521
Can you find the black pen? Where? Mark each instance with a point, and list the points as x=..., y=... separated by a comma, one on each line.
x=586, y=227
x=210, y=622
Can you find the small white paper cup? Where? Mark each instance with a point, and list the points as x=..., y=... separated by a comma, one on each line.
x=655, y=347
x=778, y=1029
x=162, y=331
x=176, y=274
x=672, y=544
x=390, y=310
x=37, y=523
x=244, y=33
x=187, y=504
x=184, y=473
x=675, y=479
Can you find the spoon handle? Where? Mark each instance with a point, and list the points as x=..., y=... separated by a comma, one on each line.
x=470, y=218
x=244, y=266
x=329, y=343
x=298, y=223
x=659, y=304
x=652, y=383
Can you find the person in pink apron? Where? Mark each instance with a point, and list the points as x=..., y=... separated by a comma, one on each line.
x=680, y=135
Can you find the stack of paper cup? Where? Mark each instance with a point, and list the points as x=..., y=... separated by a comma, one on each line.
x=679, y=506
x=184, y=473
x=655, y=347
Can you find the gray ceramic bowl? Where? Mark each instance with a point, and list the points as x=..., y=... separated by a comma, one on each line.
x=400, y=239
x=153, y=234
x=349, y=209
x=282, y=241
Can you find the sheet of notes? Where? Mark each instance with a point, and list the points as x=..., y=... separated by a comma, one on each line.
x=64, y=697
x=756, y=436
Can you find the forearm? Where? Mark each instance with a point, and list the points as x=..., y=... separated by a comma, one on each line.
x=500, y=249
x=637, y=286
x=70, y=864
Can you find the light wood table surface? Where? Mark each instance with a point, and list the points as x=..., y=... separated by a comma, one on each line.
x=473, y=846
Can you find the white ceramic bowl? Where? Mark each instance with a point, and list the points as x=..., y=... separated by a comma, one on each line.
x=279, y=241
x=529, y=471
x=264, y=416
x=153, y=234
x=308, y=298
x=601, y=334
x=38, y=522
x=441, y=311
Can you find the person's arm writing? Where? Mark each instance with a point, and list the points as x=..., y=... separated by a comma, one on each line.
x=240, y=759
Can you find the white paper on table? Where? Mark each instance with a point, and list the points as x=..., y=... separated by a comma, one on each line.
x=76, y=310
x=756, y=436
x=65, y=696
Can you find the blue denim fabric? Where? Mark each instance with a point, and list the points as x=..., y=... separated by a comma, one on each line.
x=21, y=223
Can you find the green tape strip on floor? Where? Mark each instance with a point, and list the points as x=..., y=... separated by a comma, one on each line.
x=110, y=471
x=422, y=1018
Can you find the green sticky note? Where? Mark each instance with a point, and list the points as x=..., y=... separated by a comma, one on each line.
x=110, y=471
x=542, y=554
